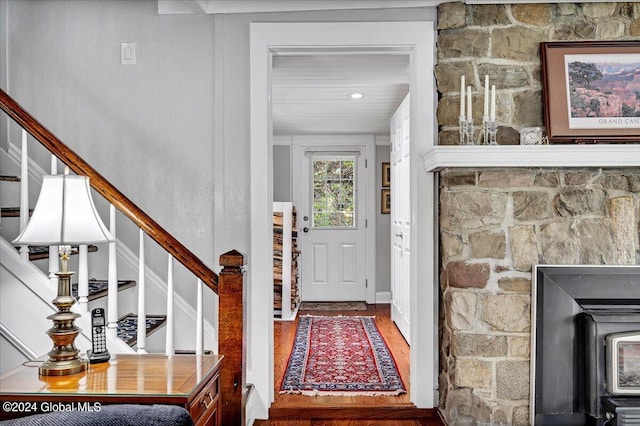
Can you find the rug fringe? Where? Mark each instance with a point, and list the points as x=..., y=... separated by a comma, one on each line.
x=315, y=392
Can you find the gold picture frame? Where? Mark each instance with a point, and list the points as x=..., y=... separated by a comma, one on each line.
x=583, y=82
x=385, y=201
x=386, y=175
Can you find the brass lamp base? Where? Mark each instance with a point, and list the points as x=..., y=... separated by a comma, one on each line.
x=63, y=368
x=63, y=358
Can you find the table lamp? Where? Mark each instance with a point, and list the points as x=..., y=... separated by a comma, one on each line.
x=64, y=215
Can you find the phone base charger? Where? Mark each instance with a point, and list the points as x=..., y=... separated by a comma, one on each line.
x=95, y=358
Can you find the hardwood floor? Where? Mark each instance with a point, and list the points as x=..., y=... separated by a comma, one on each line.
x=301, y=410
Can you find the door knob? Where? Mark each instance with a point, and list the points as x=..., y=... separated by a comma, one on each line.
x=305, y=229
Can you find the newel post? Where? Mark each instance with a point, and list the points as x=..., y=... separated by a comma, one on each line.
x=231, y=342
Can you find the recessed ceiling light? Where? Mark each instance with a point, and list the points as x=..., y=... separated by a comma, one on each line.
x=355, y=95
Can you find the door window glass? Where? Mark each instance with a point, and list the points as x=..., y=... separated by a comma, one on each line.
x=334, y=195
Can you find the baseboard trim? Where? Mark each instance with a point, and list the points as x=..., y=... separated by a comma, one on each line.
x=383, y=297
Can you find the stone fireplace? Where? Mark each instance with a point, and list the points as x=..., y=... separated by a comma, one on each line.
x=496, y=223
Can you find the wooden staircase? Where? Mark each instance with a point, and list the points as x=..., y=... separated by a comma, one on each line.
x=228, y=285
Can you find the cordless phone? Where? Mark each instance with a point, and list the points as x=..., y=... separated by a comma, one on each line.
x=98, y=351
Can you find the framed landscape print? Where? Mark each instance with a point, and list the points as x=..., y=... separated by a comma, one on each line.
x=591, y=91
x=386, y=175
x=385, y=201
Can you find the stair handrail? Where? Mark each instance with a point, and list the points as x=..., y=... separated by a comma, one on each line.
x=108, y=191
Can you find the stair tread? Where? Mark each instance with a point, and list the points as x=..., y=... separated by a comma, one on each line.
x=128, y=326
x=12, y=211
x=99, y=288
x=7, y=178
x=42, y=252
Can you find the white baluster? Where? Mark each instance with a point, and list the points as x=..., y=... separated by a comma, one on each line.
x=112, y=378
x=54, y=165
x=24, y=192
x=199, y=314
x=83, y=278
x=169, y=348
x=169, y=376
x=112, y=296
x=54, y=264
x=142, y=313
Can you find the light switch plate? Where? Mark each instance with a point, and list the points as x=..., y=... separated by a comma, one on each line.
x=128, y=54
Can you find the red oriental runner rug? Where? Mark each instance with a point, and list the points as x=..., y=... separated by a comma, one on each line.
x=340, y=355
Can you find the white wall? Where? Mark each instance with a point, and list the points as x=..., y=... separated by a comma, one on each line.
x=11, y=357
x=232, y=75
x=281, y=173
x=383, y=227
x=148, y=128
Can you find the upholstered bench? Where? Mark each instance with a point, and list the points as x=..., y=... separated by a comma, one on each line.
x=110, y=415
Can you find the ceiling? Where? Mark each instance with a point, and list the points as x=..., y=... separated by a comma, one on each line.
x=310, y=93
x=167, y=7
x=262, y=6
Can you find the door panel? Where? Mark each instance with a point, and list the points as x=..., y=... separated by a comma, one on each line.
x=320, y=264
x=348, y=263
x=400, y=218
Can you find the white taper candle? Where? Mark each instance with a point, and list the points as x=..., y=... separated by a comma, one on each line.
x=493, y=103
x=486, y=96
x=462, y=96
x=469, y=114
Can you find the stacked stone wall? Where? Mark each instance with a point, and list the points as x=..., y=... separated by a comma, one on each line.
x=503, y=41
x=495, y=224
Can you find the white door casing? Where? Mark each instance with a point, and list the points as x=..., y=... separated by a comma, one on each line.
x=418, y=40
x=333, y=259
x=400, y=133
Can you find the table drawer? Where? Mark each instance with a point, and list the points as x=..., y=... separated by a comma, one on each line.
x=206, y=402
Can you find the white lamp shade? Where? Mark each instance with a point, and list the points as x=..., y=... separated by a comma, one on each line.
x=64, y=215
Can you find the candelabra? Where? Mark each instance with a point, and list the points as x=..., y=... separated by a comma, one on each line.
x=466, y=131
x=493, y=131
x=485, y=130
x=489, y=131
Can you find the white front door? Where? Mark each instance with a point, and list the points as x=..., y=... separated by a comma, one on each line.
x=400, y=217
x=333, y=236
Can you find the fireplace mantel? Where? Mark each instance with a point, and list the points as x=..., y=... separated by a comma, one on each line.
x=597, y=155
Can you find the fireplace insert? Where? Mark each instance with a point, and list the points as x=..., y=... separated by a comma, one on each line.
x=623, y=363
x=585, y=345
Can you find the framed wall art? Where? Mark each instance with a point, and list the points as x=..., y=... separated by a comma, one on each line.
x=591, y=91
x=386, y=175
x=385, y=201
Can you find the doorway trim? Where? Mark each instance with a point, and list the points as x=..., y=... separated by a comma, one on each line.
x=418, y=40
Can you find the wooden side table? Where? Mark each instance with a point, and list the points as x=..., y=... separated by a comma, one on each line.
x=189, y=381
